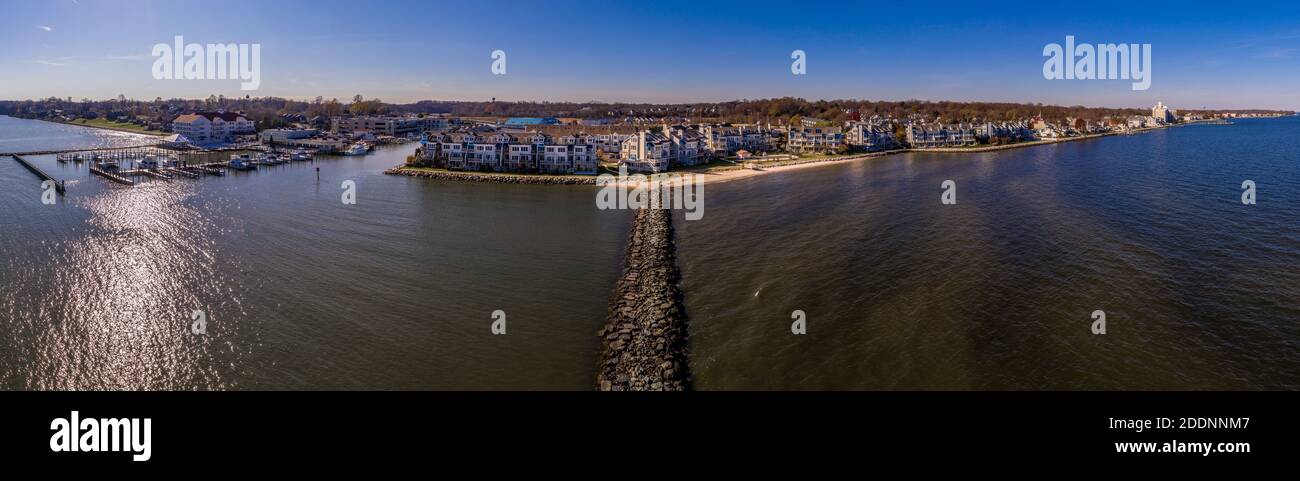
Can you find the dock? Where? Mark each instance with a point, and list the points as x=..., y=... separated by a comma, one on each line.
x=181, y=172
x=171, y=164
x=111, y=176
x=58, y=184
x=144, y=172
x=65, y=151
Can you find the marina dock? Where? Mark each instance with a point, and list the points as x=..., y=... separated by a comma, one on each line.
x=111, y=176
x=58, y=184
x=127, y=165
x=65, y=151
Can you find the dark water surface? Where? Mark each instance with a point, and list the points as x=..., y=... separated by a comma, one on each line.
x=996, y=292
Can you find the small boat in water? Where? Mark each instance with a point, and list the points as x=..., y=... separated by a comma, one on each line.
x=242, y=162
x=359, y=148
x=299, y=155
x=149, y=162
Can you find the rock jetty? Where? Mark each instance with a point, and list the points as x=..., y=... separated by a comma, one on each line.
x=644, y=336
x=465, y=176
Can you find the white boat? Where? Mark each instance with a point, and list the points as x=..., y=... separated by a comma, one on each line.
x=242, y=162
x=300, y=155
x=149, y=162
x=359, y=148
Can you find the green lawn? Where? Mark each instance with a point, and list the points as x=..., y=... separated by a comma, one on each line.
x=105, y=123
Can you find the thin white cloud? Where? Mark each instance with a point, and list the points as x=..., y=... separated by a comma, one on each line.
x=125, y=58
x=46, y=28
x=51, y=63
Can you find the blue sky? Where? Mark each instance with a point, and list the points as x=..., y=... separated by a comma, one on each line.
x=1244, y=55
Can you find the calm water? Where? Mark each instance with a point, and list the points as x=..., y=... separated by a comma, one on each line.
x=996, y=292
x=396, y=292
x=21, y=135
x=301, y=291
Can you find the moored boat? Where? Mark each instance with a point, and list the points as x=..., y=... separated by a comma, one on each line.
x=242, y=162
x=358, y=148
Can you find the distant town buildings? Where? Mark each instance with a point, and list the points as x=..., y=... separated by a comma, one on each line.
x=387, y=125
x=532, y=121
x=1163, y=114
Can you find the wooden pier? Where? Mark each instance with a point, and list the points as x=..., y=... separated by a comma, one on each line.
x=58, y=184
x=111, y=176
x=180, y=172
x=65, y=151
x=171, y=163
x=116, y=154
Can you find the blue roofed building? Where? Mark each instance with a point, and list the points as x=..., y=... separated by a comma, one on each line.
x=532, y=121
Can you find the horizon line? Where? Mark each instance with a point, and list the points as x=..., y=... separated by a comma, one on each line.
x=348, y=100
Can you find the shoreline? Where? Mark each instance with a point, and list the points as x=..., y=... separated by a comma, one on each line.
x=709, y=175
x=737, y=172
x=105, y=127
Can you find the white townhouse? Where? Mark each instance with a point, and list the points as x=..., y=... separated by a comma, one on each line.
x=684, y=146
x=871, y=136
x=512, y=152
x=722, y=140
x=211, y=128
x=814, y=139
x=611, y=143
x=647, y=151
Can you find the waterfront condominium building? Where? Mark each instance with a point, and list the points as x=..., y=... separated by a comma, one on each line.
x=211, y=128
x=669, y=147
x=815, y=139
x=929, y=136
x=647, y=151
x=685, y=146
x=1007, y=131
x=521, y=152
x=723, y=140
x=871, y=136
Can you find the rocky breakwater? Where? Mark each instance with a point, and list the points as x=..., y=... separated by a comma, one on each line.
x=644, y=335
x=466, y=176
